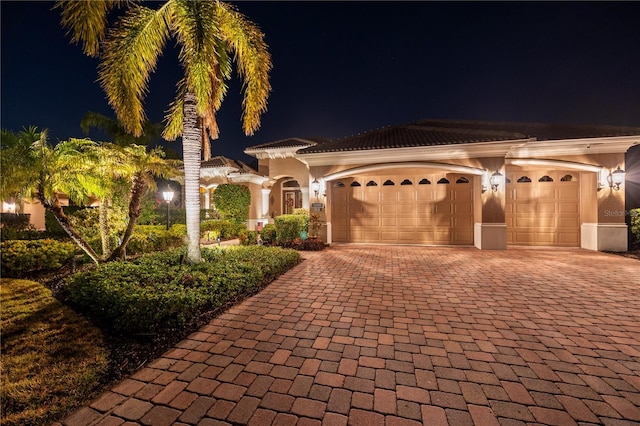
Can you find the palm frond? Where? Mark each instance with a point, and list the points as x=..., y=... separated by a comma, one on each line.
x=174, y=118
x=86, y=21
x=102, y=122
x=196, y=29
x=130, y=56
x=253, y=60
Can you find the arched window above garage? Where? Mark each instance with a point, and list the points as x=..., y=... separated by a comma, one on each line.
x=388, y=182
x=372, y=183
x=524, y=179
x=355, y=183
x=566, y=178
x=545, y=178
x=424, y=182
x=507, y=180
x=406, y=182
x=462, y=180
x=338, y=185
x=443, y=181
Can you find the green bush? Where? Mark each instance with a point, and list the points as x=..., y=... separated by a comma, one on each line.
x=212, y=229
x=22, y=257
x=269, y=233
x=305, y=214
x=248, y=238
x=232, y=201
x=288, y=227
x=158, y=292
x=635, y=226
x=151, y=238
x=7, y=234
x=17, y=221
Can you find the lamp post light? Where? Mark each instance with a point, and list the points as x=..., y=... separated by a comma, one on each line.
x=167, y=196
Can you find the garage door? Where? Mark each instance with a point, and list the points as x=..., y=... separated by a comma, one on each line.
x=403, y=208
x=543, y=208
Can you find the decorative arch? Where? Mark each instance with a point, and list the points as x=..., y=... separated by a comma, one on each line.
x=454, y=168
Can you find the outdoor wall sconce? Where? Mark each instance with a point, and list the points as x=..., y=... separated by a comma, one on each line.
x=9, y=207
x=167, y=196
x=495, y=180
x=616, y=178
x=315, y=186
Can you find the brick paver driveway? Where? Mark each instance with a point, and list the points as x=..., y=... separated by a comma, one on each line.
x=393, y=335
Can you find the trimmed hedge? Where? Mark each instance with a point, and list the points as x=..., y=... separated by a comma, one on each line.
x=151, y=238
x=23, y=257
x=289, y=226
x=156, y=292
x=212, y=229
x=635, y=226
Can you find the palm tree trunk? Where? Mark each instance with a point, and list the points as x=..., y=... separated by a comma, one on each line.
x=104, y=228
x=137, y=192
x=191, y=144
x=66, y=225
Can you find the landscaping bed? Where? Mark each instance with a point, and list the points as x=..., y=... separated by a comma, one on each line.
x=142, y=307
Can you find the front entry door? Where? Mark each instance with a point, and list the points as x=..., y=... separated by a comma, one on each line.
x=291, y=200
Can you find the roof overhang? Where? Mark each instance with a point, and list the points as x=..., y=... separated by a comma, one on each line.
x=455, y=168
x=547, y=148
x=424, y=153
x=273, y=153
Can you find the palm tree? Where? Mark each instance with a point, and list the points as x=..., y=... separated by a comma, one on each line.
x=113, y=165
x=212, y=35
x=49, y=171
x=145, y=165
x=15, y=157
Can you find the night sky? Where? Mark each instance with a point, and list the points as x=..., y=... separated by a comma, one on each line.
x=342, y=68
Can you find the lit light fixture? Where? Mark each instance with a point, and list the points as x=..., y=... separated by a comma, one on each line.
x=167, y=196
x=617, y=178
x=495, y=180
x=315, y=186
x=9, y=207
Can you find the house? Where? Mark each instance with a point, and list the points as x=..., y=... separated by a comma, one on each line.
x=453, y=182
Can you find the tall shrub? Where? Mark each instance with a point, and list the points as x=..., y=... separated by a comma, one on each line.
x=635, y=226
x=288, y=227
x=232, y=201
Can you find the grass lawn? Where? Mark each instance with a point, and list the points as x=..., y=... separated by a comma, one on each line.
x=52, y=359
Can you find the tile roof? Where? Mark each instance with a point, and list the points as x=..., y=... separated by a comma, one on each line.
x=220, y=162
x=452, y=132
x=539, y=131
x=288, y=143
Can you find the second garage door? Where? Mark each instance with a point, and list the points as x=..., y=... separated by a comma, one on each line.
x=543, y=208
x=403, y=208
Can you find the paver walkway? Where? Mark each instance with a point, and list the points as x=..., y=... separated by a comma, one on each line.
x=396, y=335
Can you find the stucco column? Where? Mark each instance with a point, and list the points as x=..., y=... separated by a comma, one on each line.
x=207, y=203
x=265, y=202
x=305, y=197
